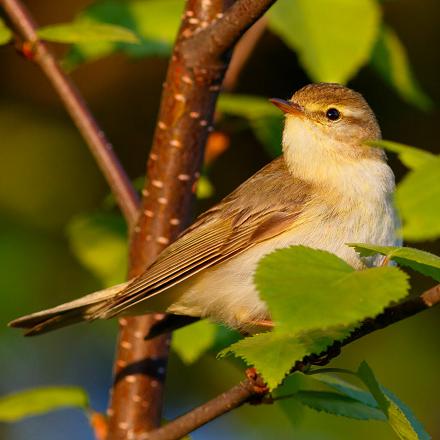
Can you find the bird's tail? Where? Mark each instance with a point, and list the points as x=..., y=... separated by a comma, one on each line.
x=66, y=314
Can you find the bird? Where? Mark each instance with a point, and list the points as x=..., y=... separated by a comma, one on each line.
x=328, y=188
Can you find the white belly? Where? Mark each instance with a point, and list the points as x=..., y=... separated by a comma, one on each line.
x=227, y=294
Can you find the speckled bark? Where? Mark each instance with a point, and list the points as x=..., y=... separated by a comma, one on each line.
x=192, y=85
x=208, y=32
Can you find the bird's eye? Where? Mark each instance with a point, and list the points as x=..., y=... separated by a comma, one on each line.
x=333, y=114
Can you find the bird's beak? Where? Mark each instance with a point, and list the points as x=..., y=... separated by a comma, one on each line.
x=287, y=107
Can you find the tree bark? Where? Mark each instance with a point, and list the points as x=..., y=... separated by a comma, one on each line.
x=195, y=74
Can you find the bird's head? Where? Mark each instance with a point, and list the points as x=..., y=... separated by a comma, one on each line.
x=326, y=127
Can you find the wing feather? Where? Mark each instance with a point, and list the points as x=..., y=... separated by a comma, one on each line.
x=264, y=206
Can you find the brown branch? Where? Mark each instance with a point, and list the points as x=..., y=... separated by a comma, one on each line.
x=99, y=145
x=242, y=52
x=251, y=388
x=221, y=36
x=191, y=89
x=190, y=92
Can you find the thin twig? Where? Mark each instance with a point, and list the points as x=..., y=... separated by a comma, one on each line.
x=242, y=52
x=95, y=138
x=247, y=390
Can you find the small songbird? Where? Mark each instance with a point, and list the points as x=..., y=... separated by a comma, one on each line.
x=327, y=189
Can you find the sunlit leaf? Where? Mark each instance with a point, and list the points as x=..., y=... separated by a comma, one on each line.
x=412, y=157
x=272, y=354
x=5, y=33
x=389, y=58
x=338, y=404
x=418, y=201
x=333, y=38
x=86, y=31
x=264, y=119
x=308, y=289
x=36, y=401
x=422, y=261
x=194, y=340
x=315, y=298
x=155, y=22
x=100, y=243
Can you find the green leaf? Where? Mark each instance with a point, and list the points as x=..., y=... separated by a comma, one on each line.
x=315, y=298
x=418, y=202
x=308, y=289
x=272, y=354
x=86, y=31
x=402, y=419
x=265, y=120
x=421, y=261
x=390, y=60
x=283, y=398
x=333, y=38
x=5, y=33
x=36, y=401
x=99, y=242
x=192, y=341
x=412, y=157
x=345, y=388
x=340, y=405
x=155, y=22
x=365, y=373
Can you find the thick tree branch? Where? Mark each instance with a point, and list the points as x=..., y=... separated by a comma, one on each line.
x=193, y=81
x=190, y=92
x=251, y=388
x=99, y=145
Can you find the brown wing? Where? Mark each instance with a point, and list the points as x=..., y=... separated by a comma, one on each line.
x=264, y=206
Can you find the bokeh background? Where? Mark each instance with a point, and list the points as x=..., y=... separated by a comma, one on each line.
x=48, y=179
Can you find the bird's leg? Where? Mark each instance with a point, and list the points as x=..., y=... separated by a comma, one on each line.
x=265, y=323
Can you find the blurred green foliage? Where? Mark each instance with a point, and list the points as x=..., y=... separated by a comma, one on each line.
x=390, y=59
x=86, y=32
x=100, y=244
x=5, y=33
x=264, y=119
x=418, y=201
x=333, y=38
x=155, y=22
x=411, y=157
x=41, y=400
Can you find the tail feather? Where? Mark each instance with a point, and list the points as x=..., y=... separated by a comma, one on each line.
x=81, y=309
